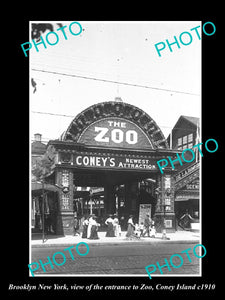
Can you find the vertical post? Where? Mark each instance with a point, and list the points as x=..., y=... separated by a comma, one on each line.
x=117, y=204
x=90, y=205
x=91, y=193
x=164, y=237
x=82, y=205
x=165, y=199
x=99, y=206
x=43, y=213
x=65, y=215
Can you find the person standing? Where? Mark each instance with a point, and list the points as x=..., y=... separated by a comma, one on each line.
x=76, y=226
x=153, y=231
x=141, y=228
x=85, y=228
x=147, y=225
x=94, y=229
x=116, y=225
x=90, y=222
x=109, y=223
x=122, y=222
x=130, y=227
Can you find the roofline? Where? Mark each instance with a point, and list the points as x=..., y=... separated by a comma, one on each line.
x=83, y=147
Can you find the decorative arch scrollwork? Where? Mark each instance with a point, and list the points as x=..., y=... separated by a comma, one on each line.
x=116, y=109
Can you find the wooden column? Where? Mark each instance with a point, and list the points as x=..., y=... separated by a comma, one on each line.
x=164, y=213
x=64, y=178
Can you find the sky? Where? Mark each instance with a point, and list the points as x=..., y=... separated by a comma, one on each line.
x=115, y=51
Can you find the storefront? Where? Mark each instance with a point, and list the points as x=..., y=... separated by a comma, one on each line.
x=113, y=147
x=187, y=198
x=44, y=204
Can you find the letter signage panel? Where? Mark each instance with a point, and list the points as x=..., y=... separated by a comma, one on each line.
x=113, y=162
x=115, y=132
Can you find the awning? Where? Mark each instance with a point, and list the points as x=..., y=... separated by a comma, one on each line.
x=37, y=186
x=183, y=198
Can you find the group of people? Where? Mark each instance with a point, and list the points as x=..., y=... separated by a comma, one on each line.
x=137, y=231
x=113, y=227
x=90, y=227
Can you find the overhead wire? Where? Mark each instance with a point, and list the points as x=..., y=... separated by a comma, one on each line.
x=113, y=81
x=70, y=116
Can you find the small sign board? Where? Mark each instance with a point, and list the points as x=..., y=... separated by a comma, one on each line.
x=144, y=209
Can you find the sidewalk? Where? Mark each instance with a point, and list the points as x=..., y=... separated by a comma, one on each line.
x=176, y=237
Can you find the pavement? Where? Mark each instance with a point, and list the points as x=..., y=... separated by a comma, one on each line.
x=176, y=237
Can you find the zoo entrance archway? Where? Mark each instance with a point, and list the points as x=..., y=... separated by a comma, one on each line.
x=116, y=146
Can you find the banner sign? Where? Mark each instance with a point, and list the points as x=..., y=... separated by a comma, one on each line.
x=192, y=186
x=111, y=161
x=115, y=132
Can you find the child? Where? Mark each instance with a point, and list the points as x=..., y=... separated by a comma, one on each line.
x=137, y=231
x=141, y=227
x=153, y=231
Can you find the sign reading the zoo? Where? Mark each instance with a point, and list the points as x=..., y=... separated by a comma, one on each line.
x=115, y=132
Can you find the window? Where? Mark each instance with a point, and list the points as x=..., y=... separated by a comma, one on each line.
x=185, y=139
x=190, y=137
x=185, y=142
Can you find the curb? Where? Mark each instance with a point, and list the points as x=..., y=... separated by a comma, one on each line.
x=118, y=243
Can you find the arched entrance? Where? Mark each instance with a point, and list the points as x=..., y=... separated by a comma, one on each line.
x=114, y=146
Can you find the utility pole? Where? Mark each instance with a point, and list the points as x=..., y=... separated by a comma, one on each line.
x=43, y=212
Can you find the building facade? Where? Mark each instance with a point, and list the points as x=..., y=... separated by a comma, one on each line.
x=185, y=134
x=112, y=148
x=44, y=195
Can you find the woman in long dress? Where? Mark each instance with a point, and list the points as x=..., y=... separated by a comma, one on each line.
x=90, y=222
x=85, y=227
x=116, y=225
x=109, y=223
x=94, y=229
x=130, y=228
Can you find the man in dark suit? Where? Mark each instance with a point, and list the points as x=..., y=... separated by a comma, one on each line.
x=147, y=225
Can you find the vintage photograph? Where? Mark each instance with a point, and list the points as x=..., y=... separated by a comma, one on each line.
x=115, y=148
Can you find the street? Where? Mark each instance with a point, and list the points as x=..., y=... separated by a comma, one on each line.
x=117, y=259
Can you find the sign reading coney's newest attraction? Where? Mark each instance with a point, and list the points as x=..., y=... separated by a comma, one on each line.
x=115, y=132
x=112, y=162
